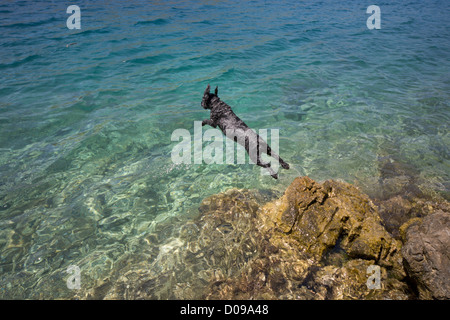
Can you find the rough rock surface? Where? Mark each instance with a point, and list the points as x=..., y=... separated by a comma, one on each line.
x=317, y=241
x=427, y=256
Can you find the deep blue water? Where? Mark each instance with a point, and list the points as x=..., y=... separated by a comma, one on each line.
x=86, y=116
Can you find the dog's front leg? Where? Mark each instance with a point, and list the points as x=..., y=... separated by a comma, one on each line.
x=209, y=122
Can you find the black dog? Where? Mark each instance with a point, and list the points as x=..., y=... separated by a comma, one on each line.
x=235, y=129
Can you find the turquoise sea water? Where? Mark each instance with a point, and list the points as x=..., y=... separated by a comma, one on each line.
x=86, y=116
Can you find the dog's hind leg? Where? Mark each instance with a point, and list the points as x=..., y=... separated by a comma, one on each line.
x=271, y=153
x=266, y=166
x=256, y=158
x=272, y=173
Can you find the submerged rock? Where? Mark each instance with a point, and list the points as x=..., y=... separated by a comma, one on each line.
x=399, y=209
x=214, y=246
x=317, y=241
x=402, y=194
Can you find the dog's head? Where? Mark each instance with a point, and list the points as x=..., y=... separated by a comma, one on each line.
x=207, y=97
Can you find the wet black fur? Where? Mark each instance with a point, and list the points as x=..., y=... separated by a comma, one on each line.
x=223, y=117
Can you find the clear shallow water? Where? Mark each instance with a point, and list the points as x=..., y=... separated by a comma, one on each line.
x=86, y=116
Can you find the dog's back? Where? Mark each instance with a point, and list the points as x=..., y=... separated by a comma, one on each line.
x=225, y=117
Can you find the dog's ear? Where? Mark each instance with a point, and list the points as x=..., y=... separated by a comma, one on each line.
x=207, y=89
x=217, y=90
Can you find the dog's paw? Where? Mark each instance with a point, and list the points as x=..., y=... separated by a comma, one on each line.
x=275, y=176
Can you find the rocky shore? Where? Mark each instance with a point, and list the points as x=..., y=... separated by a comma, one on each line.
x=317, y=241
